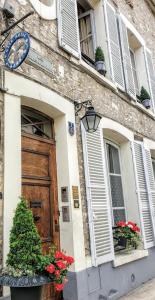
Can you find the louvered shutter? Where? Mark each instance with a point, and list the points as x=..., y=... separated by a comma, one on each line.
x=143, y=195
x=114, y=46
x=151, y=76
x=68, y=31
x=97, y=197
x=151, y=183
x=129, y=79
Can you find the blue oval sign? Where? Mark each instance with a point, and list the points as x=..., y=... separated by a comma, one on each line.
x=17, y=50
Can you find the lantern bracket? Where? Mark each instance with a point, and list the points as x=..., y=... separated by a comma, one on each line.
x=79, y=105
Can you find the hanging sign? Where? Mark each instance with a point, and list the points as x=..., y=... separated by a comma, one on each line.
x=17, y=50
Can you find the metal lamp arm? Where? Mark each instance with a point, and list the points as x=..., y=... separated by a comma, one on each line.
x=79, y=105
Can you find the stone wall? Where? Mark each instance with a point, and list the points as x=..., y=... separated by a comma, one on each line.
x=72, y=82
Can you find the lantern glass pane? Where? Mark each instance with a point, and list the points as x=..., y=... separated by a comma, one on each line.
x=85, y=124
x=91, y=120
x=97, y=121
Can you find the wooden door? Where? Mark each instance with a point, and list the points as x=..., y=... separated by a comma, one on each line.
x=39, y=187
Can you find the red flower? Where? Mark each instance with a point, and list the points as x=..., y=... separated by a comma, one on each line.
x=50, y=268
x=121, y=224
x=59, y=286
x=59, y=254
x=57, y=273
x=65, y=280
x=61, y=265
x=69, y=260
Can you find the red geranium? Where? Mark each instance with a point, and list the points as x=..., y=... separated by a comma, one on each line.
x=59, y=286
x=61, y=265
x=59, y=254
x=121, y=224
x=57, y=273
x=69, y=260
x=50, y=268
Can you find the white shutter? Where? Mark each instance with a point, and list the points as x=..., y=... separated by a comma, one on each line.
x=68, y=31
x=129, y=79
x=114, y=45
x=102, y=249
x=143, y=194
x=151, y=183
x=151, y=76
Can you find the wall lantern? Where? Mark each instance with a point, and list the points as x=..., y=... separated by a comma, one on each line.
x=91, y=119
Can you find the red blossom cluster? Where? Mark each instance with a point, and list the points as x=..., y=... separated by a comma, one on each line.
x=58, y=269
x=129, y=224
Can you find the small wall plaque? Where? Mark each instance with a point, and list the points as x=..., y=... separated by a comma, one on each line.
x=75, y=192
x=65, y=214
x=36, y=59
x=64, y=194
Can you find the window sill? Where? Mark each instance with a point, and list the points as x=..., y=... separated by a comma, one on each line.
x=93, y=73
x=149, y=112
x=109, y=84
x=122, y=259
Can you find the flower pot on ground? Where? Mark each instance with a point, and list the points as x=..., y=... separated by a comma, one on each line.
x=126, y=236
x=27, y=269
x=144, y=98
x=100, y=61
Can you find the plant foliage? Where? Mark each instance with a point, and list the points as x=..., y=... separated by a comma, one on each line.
x=129, y=231
x=99, y=55
x=25, y=245
x=25, y=257
x=143, y=94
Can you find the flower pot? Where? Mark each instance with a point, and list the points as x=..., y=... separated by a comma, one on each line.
x=122, y=241
x=25, y=288
x=26, y=293
x=100, y=67
x=146, y=103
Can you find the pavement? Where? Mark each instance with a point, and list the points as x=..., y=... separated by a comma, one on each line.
x=144, y=292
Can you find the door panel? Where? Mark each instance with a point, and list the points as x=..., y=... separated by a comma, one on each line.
x=39, y=187
x=38, y=164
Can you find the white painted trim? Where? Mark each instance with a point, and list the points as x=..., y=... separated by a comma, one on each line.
x=118, y=128
x=132, y=29
x=46, y=12
x=122, y=259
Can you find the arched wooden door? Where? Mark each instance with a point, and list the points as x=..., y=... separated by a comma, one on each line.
x=39, y=180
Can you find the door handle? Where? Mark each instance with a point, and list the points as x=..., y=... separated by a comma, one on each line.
x=36, y=218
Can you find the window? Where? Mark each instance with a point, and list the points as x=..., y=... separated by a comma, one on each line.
x=134, y=71
x=115, y=182
x=33, y=122
x=153, y=165
x=85, y=17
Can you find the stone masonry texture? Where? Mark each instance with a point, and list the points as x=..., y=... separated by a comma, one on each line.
x=77, y=84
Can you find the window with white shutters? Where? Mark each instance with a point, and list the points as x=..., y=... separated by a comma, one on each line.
x=115, y=183
x=86, y=32
x=151, y=76
x=144, y=189
x=68, y=31
x=97, y=197
x=127, y=64
x=114, y=45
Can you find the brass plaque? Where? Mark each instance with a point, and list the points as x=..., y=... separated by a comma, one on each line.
x=75, y=192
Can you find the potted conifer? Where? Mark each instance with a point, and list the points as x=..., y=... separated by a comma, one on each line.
x=100, y=61
x=27, y=269
x=144, y=98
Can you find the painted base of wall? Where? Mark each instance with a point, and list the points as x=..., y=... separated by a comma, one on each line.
x=5, y=298
x=108, y=283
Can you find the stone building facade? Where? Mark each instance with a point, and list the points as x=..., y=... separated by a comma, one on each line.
x=53, y=93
